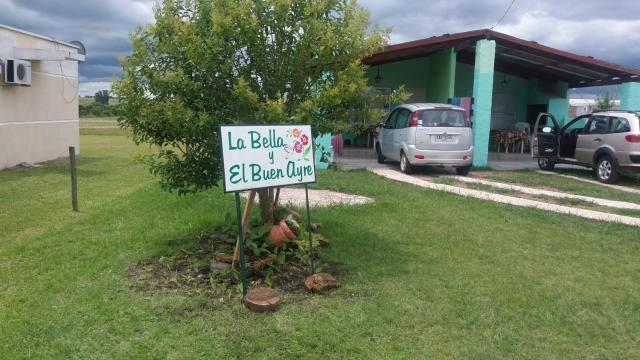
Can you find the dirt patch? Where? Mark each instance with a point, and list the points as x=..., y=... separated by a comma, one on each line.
x=481, y=174
x=198, y=270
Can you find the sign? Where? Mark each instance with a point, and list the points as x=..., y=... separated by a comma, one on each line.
x=258, y=156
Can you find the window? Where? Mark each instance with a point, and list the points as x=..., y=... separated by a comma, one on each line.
x=443, y=118
x=577, y=123
x=391, y=120
x=403, y=119
x=597, y=125
x=619, y=125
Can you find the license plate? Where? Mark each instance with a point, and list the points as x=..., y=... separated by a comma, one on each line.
x=443, y=138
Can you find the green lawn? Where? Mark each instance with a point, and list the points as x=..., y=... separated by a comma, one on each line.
x=98, y=122
x=630, y=178
x=426, y=274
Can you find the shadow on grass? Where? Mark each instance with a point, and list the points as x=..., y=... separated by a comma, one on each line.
x=60, y=166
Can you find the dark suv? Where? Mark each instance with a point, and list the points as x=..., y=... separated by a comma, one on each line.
x=608, y=142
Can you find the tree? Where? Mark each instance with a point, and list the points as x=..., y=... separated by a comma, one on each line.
x=205, y=63
x=102, y=97
x=604, y=102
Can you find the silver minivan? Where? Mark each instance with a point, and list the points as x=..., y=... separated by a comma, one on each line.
x=426, y=135
x=606, y=141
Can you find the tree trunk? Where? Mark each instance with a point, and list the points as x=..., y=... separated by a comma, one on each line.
x=265, y=197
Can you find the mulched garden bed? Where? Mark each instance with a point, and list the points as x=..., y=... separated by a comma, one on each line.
x=198, y=270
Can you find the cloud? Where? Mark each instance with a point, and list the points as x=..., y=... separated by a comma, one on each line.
x=89, y=88
x=103, y=26
x=601, y=29
x=606, y=30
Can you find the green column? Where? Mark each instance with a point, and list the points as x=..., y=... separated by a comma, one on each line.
x=559, y=106
x=630, y=96
x=441, y=79
x=482, y=95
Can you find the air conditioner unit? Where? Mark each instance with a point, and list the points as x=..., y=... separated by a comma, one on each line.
x=17, y=72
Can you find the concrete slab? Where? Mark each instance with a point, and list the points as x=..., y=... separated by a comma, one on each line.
x=317, y=198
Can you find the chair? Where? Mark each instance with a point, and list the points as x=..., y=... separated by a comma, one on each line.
x=520, y=127
x=505, y=137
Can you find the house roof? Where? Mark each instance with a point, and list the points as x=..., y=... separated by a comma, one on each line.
x=515, y=56
x=6, y=27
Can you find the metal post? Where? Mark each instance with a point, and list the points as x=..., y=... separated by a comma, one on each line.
x=243, y=265
x=74, y=178
x=306, y=192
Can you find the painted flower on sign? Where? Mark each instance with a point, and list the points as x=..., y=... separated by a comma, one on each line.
x=301, y=147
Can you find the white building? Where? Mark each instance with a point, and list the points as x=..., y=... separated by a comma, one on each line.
x=581, y=106
x=38, y=97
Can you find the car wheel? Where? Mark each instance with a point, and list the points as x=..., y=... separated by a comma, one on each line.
x=380, y=156
x=463, y=171
x=405, y=166
x=606, y=170
x=546, y=164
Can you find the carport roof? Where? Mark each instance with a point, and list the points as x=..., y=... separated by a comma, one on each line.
x=515, y=56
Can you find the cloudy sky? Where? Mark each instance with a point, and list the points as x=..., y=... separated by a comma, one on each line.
x=608, y=30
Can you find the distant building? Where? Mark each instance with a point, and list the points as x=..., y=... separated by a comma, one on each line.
x=583, y=105
x=38, y=97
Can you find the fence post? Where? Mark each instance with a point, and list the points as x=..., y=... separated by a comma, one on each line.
x=74, y=178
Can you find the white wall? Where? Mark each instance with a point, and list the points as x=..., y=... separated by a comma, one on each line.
x=40, y=122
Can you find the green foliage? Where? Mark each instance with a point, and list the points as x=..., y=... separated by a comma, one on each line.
x=205, y=63
x=99, y=110
x=102, y=97
x=605, y=102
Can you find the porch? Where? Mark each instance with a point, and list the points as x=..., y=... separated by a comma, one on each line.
x=508, y=81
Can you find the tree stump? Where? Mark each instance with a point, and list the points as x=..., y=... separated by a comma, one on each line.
x=320, y=282
x=262, y=299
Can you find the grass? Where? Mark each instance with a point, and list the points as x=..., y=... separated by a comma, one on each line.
x=631, y=179
x=578, y=203
x=98, y=122
x=535, y=179
x=427, y=274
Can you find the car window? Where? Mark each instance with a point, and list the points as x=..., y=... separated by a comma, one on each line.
x=403, y=119
x=391, y=120
x=442, y=118
x=578, y=123
x=597, y=125
x=619, y=125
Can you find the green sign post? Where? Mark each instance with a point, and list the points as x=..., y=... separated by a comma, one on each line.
x=262, y=156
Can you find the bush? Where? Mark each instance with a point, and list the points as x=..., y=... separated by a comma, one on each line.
x=99, y=110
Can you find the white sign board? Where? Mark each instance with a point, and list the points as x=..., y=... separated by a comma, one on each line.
x=260, y=156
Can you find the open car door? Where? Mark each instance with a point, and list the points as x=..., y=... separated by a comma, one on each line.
x=545, y=139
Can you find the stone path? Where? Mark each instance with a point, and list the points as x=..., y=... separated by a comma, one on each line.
x=317, y=198
x=511, y=200
x=555, y=194
x=617, y=187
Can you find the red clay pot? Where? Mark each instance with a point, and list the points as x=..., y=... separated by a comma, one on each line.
x=286, y=230
x=277, y=236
